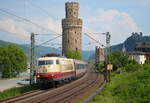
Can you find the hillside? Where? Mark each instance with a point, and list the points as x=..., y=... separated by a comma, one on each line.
x=42, y=50
x=4, y=42
x=129, y=87
x=39, y=51
x=117, y=47
x=130, y=42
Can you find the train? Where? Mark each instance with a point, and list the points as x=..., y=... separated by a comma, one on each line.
x=54, y=70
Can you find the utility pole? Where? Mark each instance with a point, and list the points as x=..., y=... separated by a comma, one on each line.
x=32, y=58
x=107, y=54
x=108, y=45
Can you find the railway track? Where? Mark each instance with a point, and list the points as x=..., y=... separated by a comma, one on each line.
x=22, y=96
x=69, y=95
x=62, y=94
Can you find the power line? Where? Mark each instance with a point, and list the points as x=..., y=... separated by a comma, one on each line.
x=47, y=34
x=11, y=33
x=24, y=8
x=94, y=40
x=49, y=40
x=36, y=6
x=7, y=31
x=29, y=21
x=40, y=41
x=94, y=33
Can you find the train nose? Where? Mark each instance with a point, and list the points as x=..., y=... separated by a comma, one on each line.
x=38, y=76
x=52, y=75
x=44, y=76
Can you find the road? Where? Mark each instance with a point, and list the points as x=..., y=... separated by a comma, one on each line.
x=9, y=83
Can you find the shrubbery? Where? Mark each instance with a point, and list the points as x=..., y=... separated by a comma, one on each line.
x=74, y=55
x=118, y=59
x=130, y=82
x=12, y=60
x=133, y=87
x=17, y=91
x=121, y=63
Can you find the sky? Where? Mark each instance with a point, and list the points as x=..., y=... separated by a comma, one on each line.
x=119, y=17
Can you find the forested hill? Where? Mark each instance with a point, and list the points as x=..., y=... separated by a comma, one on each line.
x=39, y=51
x=130, y=43
x=4, y=42
x=43, y=50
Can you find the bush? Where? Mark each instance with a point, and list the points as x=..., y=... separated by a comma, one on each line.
x=128, y=87
x=132, y=67
x=12, y=60
x=16, y=91
x=147, y=61
x=74, y=55
x=118, y=59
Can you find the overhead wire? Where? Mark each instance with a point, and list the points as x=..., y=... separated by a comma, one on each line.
x=95, y=33
x=94, y=39
x=37, y=6
x=9, y=32
x=47, y=15
x=47, y=34
x=49, y=40
x=29, y=21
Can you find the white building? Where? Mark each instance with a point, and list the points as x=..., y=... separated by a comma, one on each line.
x=138, y=56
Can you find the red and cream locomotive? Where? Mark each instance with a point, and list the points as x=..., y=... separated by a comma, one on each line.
x=52, y=70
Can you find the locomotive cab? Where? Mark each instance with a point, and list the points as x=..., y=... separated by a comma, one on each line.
x=48, y=68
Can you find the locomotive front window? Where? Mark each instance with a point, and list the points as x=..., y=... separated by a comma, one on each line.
x=41, y=62
x=47, y=62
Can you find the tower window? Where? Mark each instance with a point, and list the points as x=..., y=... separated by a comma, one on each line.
x=75, y=41
x=76, y=49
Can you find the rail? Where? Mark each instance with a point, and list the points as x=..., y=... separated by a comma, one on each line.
x=61, y=94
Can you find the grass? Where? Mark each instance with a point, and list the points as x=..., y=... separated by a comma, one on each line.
x=17, y=91
x=129, y=87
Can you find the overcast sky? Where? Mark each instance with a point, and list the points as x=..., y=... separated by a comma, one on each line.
x=119, y=17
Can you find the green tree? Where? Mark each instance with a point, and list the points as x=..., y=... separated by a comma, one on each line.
x=74, y=55
x=12, y=60
x=118, y=59
x=147, y=61
x=102, y=67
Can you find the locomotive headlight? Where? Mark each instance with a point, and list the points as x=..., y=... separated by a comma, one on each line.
x=38, y=76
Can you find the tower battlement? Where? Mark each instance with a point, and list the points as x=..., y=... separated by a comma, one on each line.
x=72, y=9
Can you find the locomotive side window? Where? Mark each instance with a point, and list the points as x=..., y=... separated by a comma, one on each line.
x=41, y=62
x=57, y=61
x=49, y=62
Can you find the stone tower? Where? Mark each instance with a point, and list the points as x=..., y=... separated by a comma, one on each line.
x=71, y=29
x=99, y=55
